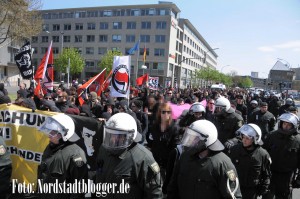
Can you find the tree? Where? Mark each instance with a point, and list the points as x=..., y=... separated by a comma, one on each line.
x=76, y=61
x=245, y=82
x=19, y=19
x=108, y=60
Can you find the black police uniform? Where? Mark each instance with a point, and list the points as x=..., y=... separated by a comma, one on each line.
x=284, y=150
x=253, y=168
x=64, y=162
x=227, y=124
x=244, y=110
x=136, y=166
x=209, y=178
x=266, y=122
x=5, y=169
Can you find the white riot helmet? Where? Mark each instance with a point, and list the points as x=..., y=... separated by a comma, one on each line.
x=252, y=131
x=254, y=102
x=222, y=103
x=120, y=131
x=290, y=118
x=202, y=131
x=61, y=123
x=289, y=101
x=197, y=107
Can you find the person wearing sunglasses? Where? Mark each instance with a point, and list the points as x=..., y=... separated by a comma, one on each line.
x=165, y=137
x=62, y=160
x=203, y=170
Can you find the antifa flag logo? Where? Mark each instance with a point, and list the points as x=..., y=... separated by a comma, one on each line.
x=23, y=61
x=47, y=85
x=120, y=79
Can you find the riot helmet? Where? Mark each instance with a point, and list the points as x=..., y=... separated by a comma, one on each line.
x=289, y=118
x=252, y=131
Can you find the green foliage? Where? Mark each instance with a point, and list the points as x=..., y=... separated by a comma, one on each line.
x=77, y=62
x=209, y=74
x=245, y=82
x=108, y=59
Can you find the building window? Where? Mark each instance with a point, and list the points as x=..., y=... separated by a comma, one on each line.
x=160, y=38
x=92, y=13
x=116, y=38
x=90, y=38
x=114, y=48
x=67, y=38
x=160, y=52
x=79, y=50
x=130, y=38
x=145, y=38
x=79, y=26
x=103, y=25
x=117, y=25
x=44, y=50
x=78, y=38
x=133, y=12
x=45, y=27
x=91, y=26
x=131, y=25
x=103, y=38
x=107, y=13
x=34, y=39
x=146, y=25
x=56, y=27
x=67, y=26
x=55, y=50
x=102, y=50
x=161, y=25
x=45, y=39
x=90, y=64
x=55, y=39
x=89, y=50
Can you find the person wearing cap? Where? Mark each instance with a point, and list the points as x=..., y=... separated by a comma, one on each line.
x=62, y=160
x=122, y=159
x=203, y=170
x=283, y=146
x=264, y=119
x=252, y=162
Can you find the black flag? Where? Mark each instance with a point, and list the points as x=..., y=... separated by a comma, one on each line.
x=23, y=61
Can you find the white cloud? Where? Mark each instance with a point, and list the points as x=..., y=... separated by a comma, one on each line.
x=292, y=45
x=266, y=49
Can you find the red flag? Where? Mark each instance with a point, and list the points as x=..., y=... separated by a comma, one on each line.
x=98, y=78
x=106, y=83
x=139, y=81
x=43, y=74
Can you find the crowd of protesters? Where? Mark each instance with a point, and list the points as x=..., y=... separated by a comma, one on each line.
x=227, y=110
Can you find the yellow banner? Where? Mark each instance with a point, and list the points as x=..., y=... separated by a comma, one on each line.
x=19, y=128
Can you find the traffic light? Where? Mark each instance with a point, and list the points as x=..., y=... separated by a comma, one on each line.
x=265, y=81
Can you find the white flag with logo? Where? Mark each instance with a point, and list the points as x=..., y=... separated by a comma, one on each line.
x=120, y=80
x=153, y=83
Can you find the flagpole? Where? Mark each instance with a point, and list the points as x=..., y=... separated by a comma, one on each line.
x=137, y=60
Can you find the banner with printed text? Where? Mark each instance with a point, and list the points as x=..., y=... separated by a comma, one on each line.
x=153, y=83
x=19, y=128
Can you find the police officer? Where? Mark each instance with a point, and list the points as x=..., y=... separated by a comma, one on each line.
x=227, y=122
x=62, y=160
x=5, y=169
x=203, y=171
x=242, y=107
x=121, y=158
x=252, y=162
x=196, y=112
x=284, y=108
x=264, y=119
x=283, y=146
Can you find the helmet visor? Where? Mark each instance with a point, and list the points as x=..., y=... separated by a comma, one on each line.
x=51, y=124
x=117, y=139
x=191, y=137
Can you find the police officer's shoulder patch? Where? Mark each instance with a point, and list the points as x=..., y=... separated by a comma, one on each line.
x=155, y=168
x=2, y=150
x=78, y=161
x=231, y=175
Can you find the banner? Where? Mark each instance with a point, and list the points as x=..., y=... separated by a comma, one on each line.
x=23, y=61
x=120, y=80
x=153, y=83
x=19, y=128
x=167, y=83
